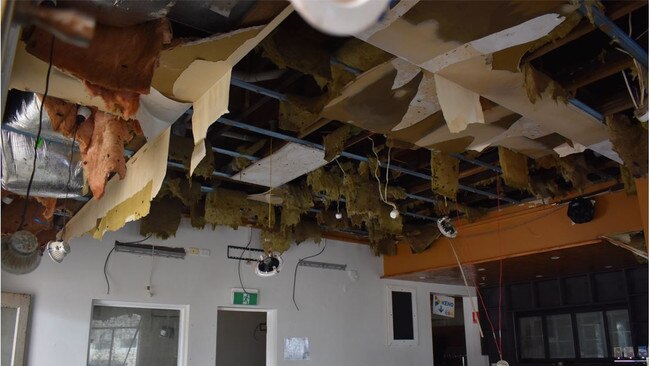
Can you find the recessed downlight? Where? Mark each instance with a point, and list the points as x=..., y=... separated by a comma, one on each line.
x=480, y=269
x=609, y=266
x=539, y=276
x=422, y=277
x=555, y=257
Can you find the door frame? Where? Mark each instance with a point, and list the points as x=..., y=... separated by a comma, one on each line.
x=271, y=329
x=21, y=303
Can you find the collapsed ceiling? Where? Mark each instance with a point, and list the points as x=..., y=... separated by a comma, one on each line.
x=239, y=113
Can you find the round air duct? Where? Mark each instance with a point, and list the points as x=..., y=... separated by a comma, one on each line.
x=20, y=254
x=269, y=265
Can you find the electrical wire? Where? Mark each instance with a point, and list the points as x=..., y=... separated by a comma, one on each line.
x=295, y=272
x=151, y=271
x=108, y=284
x=250, y=238
x=462, y=272
x=382, y=195
x=38, y=135
x=636, y=106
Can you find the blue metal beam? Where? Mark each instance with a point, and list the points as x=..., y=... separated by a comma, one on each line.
x=280, y=136
x=617, y=34
x=257, y=89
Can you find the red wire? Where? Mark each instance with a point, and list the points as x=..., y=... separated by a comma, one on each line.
x=487, y=315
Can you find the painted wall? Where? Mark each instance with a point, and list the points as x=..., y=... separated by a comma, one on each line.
x=344, y=319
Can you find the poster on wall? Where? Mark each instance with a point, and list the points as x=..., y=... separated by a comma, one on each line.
x=443, y=305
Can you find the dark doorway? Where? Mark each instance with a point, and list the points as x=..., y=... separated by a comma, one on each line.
x=449, y=336
x=241, y=338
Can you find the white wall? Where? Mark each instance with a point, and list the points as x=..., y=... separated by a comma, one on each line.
x=344, y=320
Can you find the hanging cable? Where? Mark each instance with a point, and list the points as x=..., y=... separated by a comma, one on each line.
x=627, y=84
x=250, y=238
x=295, y=272
x=151, y=271
x=383, y=195
x=108, y=284
x=462, y=272
x=500, y=260
x=489, y=318
x=38, y=135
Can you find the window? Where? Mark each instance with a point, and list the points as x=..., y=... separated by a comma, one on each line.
x=591, y=335
x=402, y=316
x=618, y=324
x=133, y=336
x=560, y=336
x=574, y=335
x=531, y=337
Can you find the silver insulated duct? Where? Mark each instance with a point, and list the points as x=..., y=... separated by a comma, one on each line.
x=53, y=158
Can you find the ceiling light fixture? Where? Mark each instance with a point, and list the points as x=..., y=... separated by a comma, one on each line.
x=555, y=257
x=338, y=215
x=539, y=276
x=609, y=266
x=446, y=227
x=20, y=252
x=394, y=213
x=57, y=250
x=269, y=265
x=481, y=269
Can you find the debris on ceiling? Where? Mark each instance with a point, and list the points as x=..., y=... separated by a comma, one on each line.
x=239, y=113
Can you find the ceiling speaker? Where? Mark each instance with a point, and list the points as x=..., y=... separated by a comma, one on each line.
x=581, y=210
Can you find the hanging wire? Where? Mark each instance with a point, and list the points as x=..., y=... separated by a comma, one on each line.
x=250, y=239
x=38, y=135
x=108, y=284
x=295, y=273
x=462, y=272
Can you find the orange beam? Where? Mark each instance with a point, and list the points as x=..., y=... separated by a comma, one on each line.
x=521, y=230
x=642, y=195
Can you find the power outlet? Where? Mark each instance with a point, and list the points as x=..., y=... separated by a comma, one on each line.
x=193, y=251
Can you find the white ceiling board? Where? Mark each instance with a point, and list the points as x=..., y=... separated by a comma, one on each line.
x=283, y=166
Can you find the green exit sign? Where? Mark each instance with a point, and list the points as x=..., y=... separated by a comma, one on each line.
x=248, y=297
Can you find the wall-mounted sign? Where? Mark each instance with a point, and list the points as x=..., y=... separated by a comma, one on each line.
x=247, y=297
x=443, y=305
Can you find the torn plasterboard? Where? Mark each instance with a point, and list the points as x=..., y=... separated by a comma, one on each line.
x=423, y=104
x=206, y=85
x=128, y=199
x=507, y=89
x=420, y=32
x=157, y=113
x=528, y=31
x=288, y=163
x=406, y=71
x=566, y=149
x=460, y=106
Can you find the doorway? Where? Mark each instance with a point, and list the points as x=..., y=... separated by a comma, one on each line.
x=448, y=331
x=245, y=337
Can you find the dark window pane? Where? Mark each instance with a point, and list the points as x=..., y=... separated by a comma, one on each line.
x=591, y=335
x=618, y=324
x=531, y=337
x=560, y=336
x=576, y=290
x=402, y=315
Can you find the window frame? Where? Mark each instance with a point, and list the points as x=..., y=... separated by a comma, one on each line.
x=183, y=323
x=390, y=337
x=602, y=310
